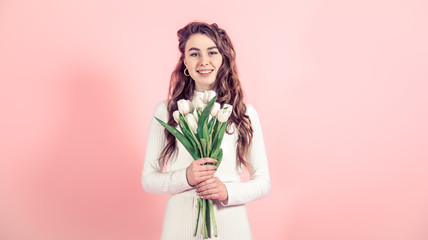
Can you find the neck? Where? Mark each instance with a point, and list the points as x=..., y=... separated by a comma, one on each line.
x=203, y=88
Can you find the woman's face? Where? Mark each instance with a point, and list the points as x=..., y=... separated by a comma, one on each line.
x=203, y=59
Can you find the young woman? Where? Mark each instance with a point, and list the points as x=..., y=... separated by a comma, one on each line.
x=207, y=62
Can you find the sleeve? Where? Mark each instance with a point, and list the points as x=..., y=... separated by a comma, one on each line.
x=259, y=185
x=153, y=179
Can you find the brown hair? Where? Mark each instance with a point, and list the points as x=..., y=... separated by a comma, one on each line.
x=227, y=86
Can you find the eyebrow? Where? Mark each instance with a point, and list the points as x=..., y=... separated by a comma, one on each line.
x=197, y=49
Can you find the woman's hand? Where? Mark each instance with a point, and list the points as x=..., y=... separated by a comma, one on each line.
x=212, y=188
x=197, y=172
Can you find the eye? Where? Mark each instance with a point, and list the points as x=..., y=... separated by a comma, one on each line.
x=213, y=53
x=194, y=54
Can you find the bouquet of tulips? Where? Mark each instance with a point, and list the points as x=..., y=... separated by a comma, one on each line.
x=202, y=124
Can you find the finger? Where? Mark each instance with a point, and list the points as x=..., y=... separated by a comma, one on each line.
x=204, y=192
x=202, y=161
x=198, y=173
x=202, y=168
x=208, y=187
x=207, y=181
x=206, y=173
x=215, y=194
x=211, y=196
x=208, y=191
x=207, y=167
x=203, y=179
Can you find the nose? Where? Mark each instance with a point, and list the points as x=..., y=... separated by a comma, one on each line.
x=204, y=60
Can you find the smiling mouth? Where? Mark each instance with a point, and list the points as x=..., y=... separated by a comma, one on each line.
x=205, y=71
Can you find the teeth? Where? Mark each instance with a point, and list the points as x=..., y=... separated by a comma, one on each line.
x=204, y=72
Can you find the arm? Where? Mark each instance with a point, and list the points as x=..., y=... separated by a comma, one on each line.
x=259, y=184
x=153, y=179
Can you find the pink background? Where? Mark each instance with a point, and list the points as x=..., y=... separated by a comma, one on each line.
x=340, y=87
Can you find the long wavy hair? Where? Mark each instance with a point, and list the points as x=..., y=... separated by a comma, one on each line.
x=227, y=86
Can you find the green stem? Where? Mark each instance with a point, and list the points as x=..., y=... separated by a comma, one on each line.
x=197, y=217
x=204, y=226
x=208, y=218
x=211, y=207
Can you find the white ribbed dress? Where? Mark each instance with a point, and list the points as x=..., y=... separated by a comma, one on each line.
x=181, y=209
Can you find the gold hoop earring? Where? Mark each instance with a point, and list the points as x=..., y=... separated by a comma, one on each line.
x=188, y=74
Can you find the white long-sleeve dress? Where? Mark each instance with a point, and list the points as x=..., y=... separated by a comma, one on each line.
x=181, y=209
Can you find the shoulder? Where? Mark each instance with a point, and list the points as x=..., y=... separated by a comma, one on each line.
x=161, y=110
x=251, y=112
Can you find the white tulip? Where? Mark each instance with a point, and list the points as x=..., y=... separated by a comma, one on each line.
x=223, y=115
x=199, y=104
x=195, y=114
x=192, y=122
x=215, y=109
x=176, y=115
x=208, y=95
x=185, y=106
x=228, y=107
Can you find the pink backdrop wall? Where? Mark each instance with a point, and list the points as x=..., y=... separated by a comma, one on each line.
x=340, y=86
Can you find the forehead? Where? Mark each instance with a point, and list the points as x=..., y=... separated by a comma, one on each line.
x=200, y=41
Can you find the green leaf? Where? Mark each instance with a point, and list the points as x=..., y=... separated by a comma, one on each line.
x=214, y=154
x=214, y=131
x=204, y=116
x=180, y=138
x=211, y=124
x=204, y=147
x=189, y=137
x=183, y=121
x=205, y=132
x=207, y=140
x=221, y=132
x=220, y=157
x=194, y=137
x=219, y=137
